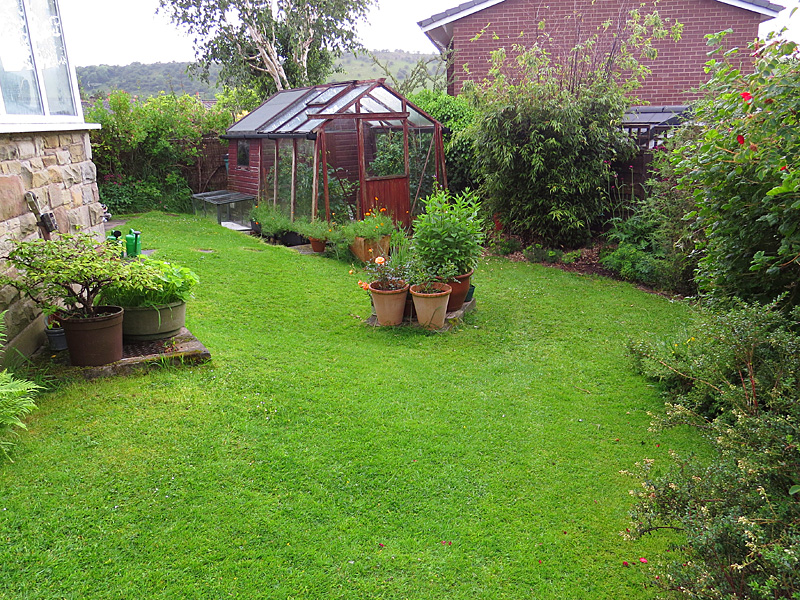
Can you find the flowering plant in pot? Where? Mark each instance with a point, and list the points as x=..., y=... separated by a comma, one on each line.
x=388, y=288
x=65, y=277
x=156, y=312
x=370, y=236
x=451, y=231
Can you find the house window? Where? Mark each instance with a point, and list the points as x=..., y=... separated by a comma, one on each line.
x=243, y=153
x=35, y=77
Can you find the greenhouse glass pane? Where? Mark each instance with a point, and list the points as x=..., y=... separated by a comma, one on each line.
x=385, y=97
x=349, y=97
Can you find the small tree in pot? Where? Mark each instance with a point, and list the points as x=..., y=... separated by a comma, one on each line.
x=65, y=276
x=450, y=232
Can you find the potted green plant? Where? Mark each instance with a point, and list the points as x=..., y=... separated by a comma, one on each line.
x=317, y=231
x=56, y=338
x=371, y=236
x=65, y=276
x=451, y=231
x=429, y=292
x=157, y=312
x=269, y=221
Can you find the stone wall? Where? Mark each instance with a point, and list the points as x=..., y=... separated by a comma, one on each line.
x=58, y=168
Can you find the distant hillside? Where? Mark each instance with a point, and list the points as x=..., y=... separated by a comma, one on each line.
x=149, y=79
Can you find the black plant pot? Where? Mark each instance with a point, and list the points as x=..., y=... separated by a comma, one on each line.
x=291, y=238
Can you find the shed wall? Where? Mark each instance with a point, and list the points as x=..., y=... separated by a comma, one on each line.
x=244, y=179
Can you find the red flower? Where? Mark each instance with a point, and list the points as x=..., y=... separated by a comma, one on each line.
x=740, y=139
x=625, y=563
x=783, y=168
x=747, y=96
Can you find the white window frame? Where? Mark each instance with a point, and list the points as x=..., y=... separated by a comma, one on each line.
x=21, y=123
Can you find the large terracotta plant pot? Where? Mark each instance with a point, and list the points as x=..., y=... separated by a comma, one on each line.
x=431, y=308
x=367, y=249
x=389, y=304
x=153, y=322
x=460, y=287
x=94, y=341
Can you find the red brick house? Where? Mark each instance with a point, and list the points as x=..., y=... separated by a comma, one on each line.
x=679, y=66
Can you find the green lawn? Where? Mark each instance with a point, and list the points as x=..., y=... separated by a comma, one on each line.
x=316, y=457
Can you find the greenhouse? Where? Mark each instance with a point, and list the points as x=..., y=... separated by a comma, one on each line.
x=337, y=150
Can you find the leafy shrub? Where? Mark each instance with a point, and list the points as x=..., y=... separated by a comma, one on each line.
x=736, y=380
x=506, y=245
x=450, y=232
x=374, y=225
x=456, y=114
x=744, y=174
x=143, y=145
x=172, y=283
x=15, y=402
x=549, y=130
x=633, y=264
x=657, y=242
x=273, y=221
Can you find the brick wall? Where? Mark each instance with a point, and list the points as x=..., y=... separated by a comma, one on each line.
x=57, y=167
x=679, y=66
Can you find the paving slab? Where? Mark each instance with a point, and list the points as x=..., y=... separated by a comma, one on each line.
x=180, y=349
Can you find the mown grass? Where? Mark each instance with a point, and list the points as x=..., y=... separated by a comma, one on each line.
x=316, y=457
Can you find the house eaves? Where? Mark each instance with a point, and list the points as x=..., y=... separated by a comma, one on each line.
x=439, y=27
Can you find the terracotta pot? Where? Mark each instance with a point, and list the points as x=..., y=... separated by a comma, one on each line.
x=460, y=287
x=317, y=245
x=366, y=249
x=94, y=341
x=389, y=304
x=153, y=322
x=431, y=308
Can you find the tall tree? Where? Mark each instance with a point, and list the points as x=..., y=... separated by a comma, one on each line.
x=269, y=45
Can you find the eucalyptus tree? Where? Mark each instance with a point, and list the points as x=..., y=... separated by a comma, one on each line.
x=269, y=45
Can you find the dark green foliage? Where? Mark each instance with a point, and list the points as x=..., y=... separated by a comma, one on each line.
x=15, y=402
x=269, y=46
x=456, y=114
x=736, y=380
x=549, y=131
x=743, y=173
x=145, y=80
x=657, y=242
x=545, y=155
x=633, y=264
x=143, y=145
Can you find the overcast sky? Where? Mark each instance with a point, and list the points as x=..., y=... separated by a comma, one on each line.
x=119, y=32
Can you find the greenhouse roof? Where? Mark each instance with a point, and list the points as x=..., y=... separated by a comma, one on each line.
x=300, y=112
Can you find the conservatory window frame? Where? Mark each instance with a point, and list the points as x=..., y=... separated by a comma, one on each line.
x=31, y=122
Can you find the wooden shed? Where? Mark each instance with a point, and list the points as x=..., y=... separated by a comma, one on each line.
x=338, y=150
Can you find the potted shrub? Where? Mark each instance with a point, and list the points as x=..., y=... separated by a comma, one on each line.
x=317, y=231
x=269, y=221
x=450, y=231
x=429, y=292
x=66, y=276
x=158, y=312
x=371, y=236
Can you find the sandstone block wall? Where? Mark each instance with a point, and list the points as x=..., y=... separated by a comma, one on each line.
x=58, y=168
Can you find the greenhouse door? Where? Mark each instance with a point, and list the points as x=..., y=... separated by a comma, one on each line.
x=384, y=156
